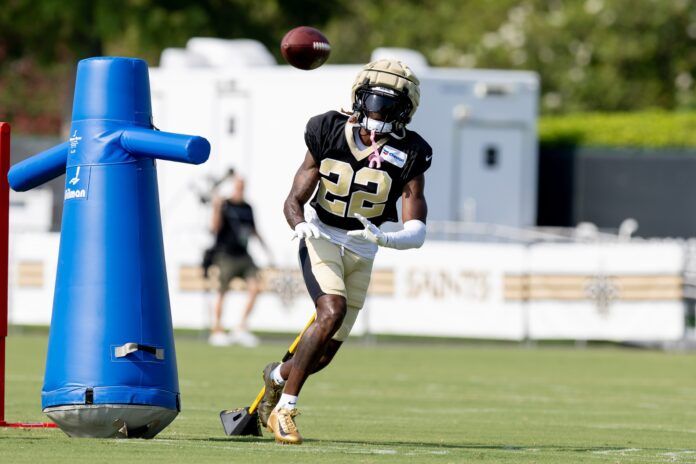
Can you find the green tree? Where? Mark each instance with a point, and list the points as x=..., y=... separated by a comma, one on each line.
x=590, y=54
x=40, y=42
x=607, y=55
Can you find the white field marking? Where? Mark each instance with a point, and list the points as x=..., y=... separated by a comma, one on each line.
x=323, y=448
x=373, y=451
x=320, y=447
x=676, y=456
x=621, y=452
x=391, y=451
x=564, y=456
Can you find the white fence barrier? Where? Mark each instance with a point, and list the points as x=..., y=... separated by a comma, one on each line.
x=631, y=291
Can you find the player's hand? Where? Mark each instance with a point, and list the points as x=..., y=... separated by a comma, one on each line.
x=371, y=232
x=308, y=230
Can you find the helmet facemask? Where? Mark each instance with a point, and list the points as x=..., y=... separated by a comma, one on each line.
x=381, y=109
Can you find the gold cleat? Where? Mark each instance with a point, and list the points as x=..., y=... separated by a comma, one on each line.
x=270, y=396
x=282, y=424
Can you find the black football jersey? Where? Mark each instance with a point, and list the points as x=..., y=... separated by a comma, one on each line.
x=347, y=184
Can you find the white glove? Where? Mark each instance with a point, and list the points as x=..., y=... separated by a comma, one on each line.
x=308, y=230
x=412, y=235
x=371, y=232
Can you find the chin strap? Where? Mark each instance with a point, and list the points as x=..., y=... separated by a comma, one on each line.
x=375, y=159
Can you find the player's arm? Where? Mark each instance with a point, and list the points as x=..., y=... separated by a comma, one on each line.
x=303, y=185
x=216, y=223
x=413, y=204
x=414, y=211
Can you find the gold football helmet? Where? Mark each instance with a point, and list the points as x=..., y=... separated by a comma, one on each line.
x=389, y=88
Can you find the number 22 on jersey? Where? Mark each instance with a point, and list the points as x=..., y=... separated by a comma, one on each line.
x=355, y=202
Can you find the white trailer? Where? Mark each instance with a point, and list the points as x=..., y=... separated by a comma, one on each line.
x=480, y=123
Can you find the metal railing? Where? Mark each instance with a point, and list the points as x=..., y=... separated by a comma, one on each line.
x=487, y=232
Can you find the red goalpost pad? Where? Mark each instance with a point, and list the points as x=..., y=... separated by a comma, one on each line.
x=4, y=240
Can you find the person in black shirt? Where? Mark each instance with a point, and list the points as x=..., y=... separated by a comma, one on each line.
x=233, y=224
x=356, y=168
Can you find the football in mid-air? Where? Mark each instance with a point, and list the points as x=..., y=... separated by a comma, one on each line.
x=305, y=48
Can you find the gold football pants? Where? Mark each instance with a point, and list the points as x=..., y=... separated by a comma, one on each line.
x=330, y=269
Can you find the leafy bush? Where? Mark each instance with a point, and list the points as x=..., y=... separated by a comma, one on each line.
x=636, y=129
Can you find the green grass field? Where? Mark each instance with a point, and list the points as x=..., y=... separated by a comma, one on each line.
x=402, y=403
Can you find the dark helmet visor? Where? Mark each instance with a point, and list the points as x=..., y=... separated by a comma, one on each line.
x=383, y=104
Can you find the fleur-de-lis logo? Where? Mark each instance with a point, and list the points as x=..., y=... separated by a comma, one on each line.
x=603, y=291
x=287, y=285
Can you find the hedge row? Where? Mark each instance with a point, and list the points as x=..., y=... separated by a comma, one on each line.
x=639, y=129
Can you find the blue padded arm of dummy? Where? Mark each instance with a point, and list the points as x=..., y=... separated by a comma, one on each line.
x=39, y=169
x=165, y=145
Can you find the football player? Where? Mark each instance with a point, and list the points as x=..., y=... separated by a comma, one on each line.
x=362, y=164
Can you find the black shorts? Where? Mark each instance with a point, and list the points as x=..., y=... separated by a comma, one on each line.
x=231, y=267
